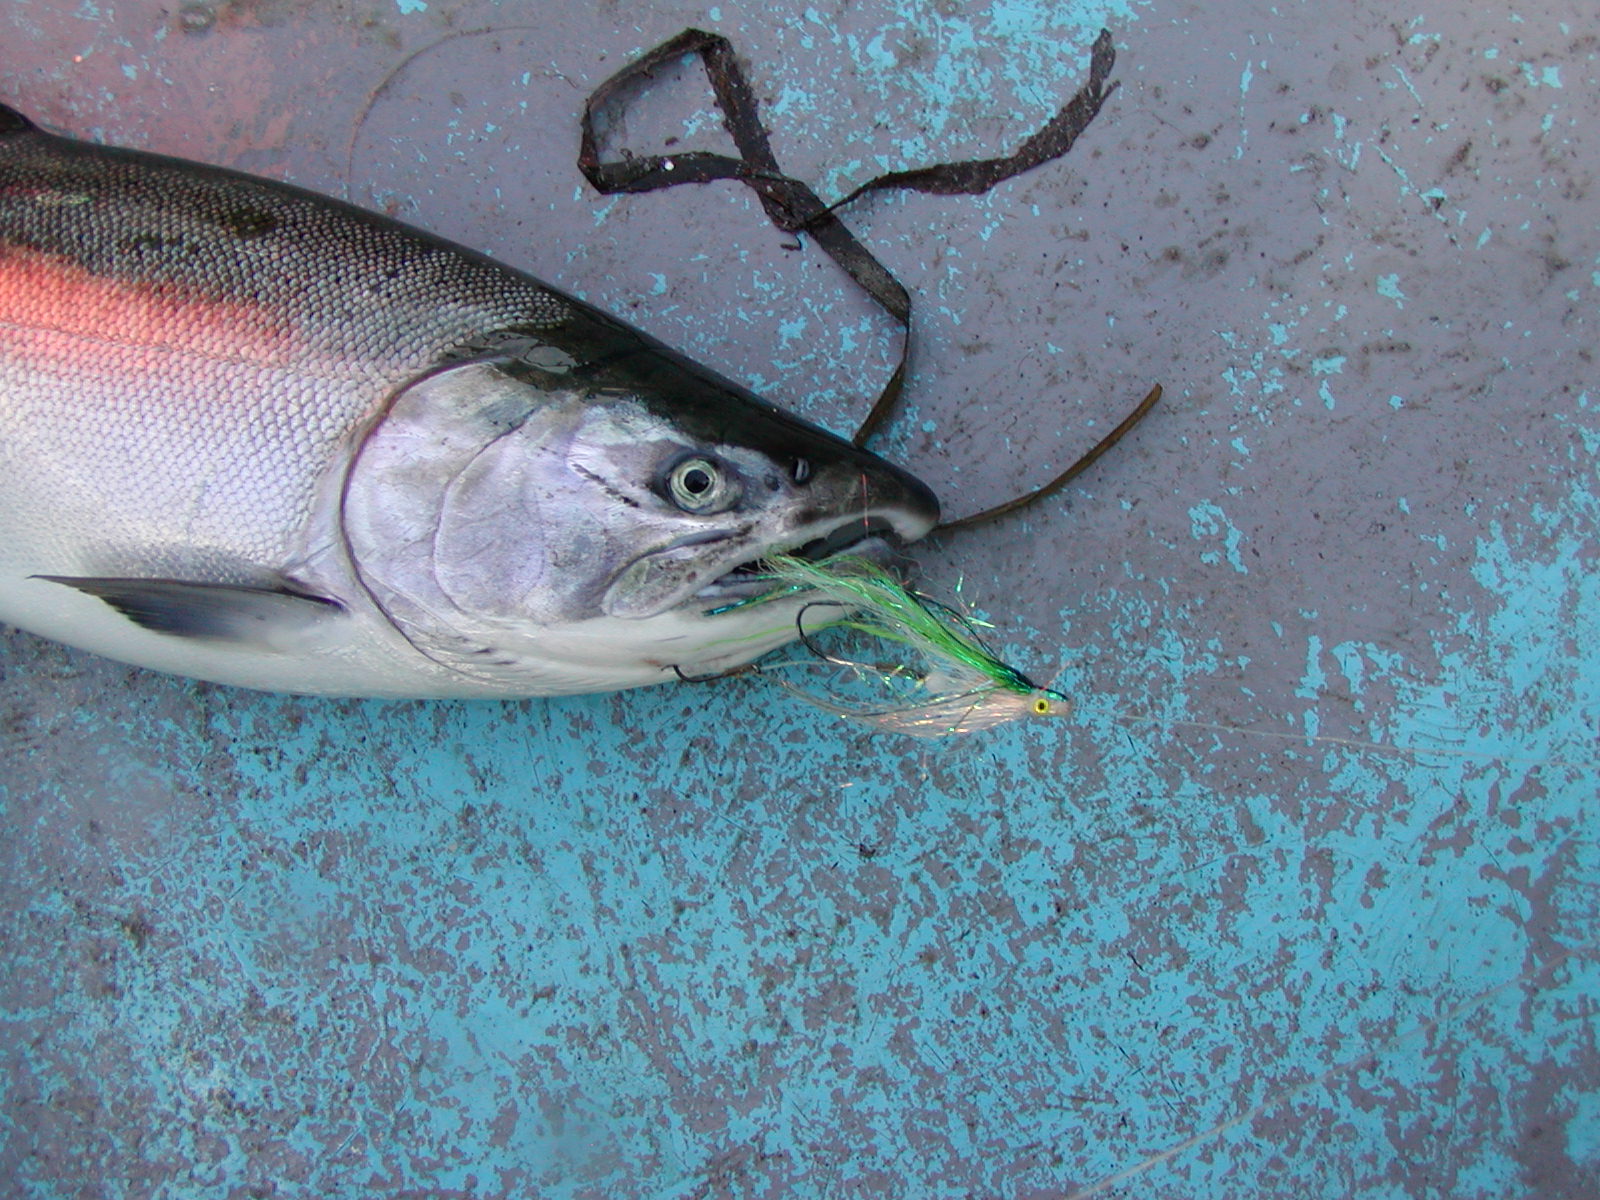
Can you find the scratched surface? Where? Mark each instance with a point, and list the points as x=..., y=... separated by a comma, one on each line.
x=1304, y=900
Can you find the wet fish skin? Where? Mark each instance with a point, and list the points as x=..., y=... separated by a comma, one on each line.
x=263, y=437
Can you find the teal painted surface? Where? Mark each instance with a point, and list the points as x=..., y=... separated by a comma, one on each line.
x=1303, y=900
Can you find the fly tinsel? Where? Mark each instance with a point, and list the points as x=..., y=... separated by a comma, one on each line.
x=951, y=682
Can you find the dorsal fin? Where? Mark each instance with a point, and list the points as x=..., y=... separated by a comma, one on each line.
x=11, y=121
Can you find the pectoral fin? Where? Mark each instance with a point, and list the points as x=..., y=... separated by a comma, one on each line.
x=11, y=121
x=269, y=618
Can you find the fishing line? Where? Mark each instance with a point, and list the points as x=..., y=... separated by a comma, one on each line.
x=1361, y=744
x=399, y=68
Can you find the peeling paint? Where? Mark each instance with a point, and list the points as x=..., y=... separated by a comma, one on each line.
x=1305, y=895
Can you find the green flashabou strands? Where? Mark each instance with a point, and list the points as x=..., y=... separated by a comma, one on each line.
x=962, y=687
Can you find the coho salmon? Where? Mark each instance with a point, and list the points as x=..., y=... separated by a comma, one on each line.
x=262, y=437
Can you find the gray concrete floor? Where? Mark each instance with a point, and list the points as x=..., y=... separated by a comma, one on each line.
x=1302, y=901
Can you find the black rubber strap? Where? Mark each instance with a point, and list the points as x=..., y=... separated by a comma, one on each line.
x=1085, y=461
x=790, y=204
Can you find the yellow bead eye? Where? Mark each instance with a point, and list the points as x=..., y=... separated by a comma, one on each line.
x=1041, y=706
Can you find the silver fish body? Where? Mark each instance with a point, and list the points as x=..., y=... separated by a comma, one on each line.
x=261, y=437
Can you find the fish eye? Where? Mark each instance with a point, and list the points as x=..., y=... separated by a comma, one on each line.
x=700, y=485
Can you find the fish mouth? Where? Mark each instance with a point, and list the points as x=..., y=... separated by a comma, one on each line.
x=872, y=537
x=685, y=575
